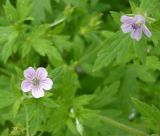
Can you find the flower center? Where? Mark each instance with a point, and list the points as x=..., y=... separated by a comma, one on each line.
x=35, y=81
x=134, y=26
x=139, y=22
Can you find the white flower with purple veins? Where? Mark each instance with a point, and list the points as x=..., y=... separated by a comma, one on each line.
x=36, y=81
x=135, y=25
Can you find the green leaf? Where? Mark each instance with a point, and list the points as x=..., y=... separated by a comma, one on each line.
x=78, y=48
x=16, y=106
x=116, y=16
x=10, y=12
x=47, y=102
x=26, y=48
x=62, y=43
x=156, y=32
x=110, y=95
x=10, y=45
x=134, y=7
x=153, y=62
x=148, y=6
x=7, y=98
x=87, y=116
x=65, y=76
x=129, y=87
x=58, y=120
x=24, y=8
x=151, y=114
x=140, y=49
x=71, y=126
x=44, y=47
x=109, y=52
x=37, y=113
x=5, y=132
x=40, y=8
x=125, y=54
x=142, y=73
x=83, y=100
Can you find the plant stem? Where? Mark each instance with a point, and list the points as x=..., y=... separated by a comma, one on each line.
x=27, y=122
x=123, y=126
x=150, y=18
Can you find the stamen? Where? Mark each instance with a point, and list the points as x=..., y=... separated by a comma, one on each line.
x=35, y=81
x=139, y=22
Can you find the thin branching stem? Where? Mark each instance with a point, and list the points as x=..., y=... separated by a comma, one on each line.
x=122, y=126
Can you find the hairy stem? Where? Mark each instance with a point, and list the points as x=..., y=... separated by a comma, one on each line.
x=122, y=126
x=27, y=122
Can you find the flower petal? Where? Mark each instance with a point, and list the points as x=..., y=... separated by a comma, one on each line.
x=136, y=34
x=126, y=28
x=41, y=73
x=127, y=20
x=139, y=19
x=46, y=83
x=37, y=92
x=29, y=73
x=26, y=85
x=146, y=31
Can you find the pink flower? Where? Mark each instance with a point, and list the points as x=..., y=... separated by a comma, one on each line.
x=135, y=25
x=36, y=81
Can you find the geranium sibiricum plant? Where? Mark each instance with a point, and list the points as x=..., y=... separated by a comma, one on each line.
x=36, y=81
x=79, y=68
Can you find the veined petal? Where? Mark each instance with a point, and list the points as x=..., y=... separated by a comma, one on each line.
x=41, y=73
x=26, y=85
x=136, y=34
x=127, y=20
x=146, y=31
x=29, y=73
x=126, y=28
x=37, y=92
x=139, y=19
x=46, y=83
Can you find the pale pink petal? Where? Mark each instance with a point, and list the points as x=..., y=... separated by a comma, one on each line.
x=46, y=83
x=37, y=92
x=139, y=19
x=29, y=73
x=126, y=28
x=146, y=31
x=127, y=20
x=41, y=73
x=136, y=34
x=26, y=85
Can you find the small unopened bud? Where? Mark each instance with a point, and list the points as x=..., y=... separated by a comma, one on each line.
x=72, y=113
x=132, y=115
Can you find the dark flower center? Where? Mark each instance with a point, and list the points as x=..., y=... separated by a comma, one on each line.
x=135, y=26
x=35, y=81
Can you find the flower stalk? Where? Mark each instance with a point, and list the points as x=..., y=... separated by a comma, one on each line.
x=27, y=122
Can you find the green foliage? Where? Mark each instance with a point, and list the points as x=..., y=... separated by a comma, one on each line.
x=149, y=7
x=98, y=72
x=113, y=49
x=150, y=114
